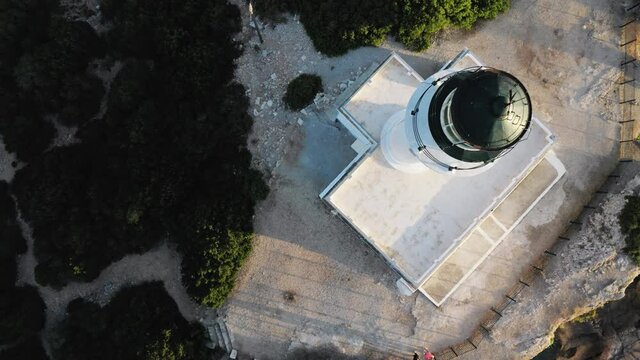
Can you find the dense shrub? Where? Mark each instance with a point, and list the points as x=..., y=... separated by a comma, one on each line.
x=17, y=30
x=630, y=224
x=302, y=90
x=44, y=72
x=30, y=349
x=630, y=215
x=21, y=308
x=167, y=160
x=22, y=314
x=11, y=240
x=336, y=26
x=223, y=253
x=140, y=322
x=24, y=131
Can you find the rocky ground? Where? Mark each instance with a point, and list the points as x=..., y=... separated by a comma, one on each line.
x=266, y=68
x=611, y=332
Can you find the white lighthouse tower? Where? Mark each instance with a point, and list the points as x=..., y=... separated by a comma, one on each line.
x=458, y=122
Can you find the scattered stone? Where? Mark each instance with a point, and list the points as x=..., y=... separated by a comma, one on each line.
x=304, y=112
x=269, y=103
x=343, y=86
x=318, y=99
x=274, y=76
x=300, y=122
x=289, y=296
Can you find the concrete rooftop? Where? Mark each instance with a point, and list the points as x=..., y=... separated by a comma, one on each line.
x=424, y=222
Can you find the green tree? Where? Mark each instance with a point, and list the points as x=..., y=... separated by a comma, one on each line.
x=630, y=224
x=211, y=264
x=17, y=30
x=171, y=143
x=22, y=314
x=336, y=26
x=43, y=71
x=24, y=130
x=630, y=215
x=140, y=322
x=80, y=98
x=302, y=90
x=30, y=349
x=11, y=240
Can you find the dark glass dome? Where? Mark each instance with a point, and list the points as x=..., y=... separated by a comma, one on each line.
x=477, y=113
x=491, y=109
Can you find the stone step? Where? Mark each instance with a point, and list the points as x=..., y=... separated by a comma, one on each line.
x=220, y=337
x=224, y=334
x=213, y=338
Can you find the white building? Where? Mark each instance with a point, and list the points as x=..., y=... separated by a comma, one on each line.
x=444, y=168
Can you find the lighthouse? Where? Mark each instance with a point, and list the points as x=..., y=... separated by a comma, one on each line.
x=458, y=122
x=442, y=168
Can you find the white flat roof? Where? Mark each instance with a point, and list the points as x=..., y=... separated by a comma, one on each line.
x=419, y=222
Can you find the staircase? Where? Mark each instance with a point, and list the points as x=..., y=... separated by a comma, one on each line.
x=218, y=334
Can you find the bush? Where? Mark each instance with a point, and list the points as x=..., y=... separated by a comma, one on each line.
x=11, y=240
x=223, y=254
x=26, y=134
x=30, y=349
x=43, y=72
x=630, y=215
x=633, y=246
x=22, y=314
x=335, y=26
x=302, y=90
x=81, y=97
x=140, y=322
x=630, y=224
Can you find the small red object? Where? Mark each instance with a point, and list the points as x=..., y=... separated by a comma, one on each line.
x=428, y=355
